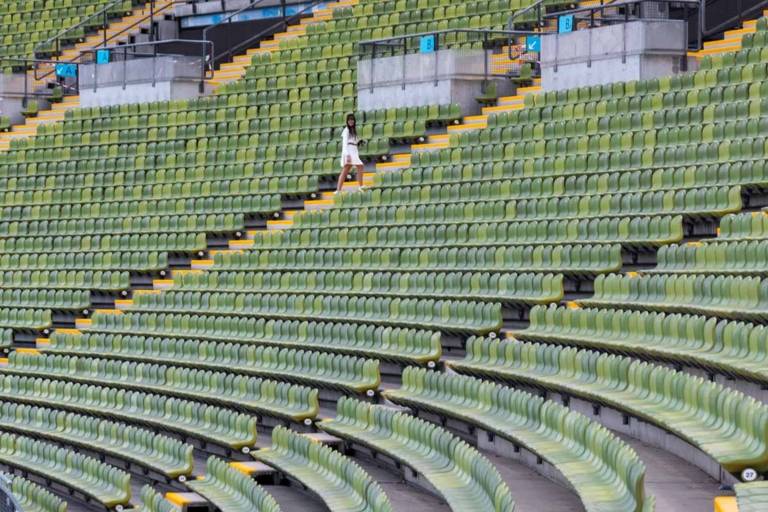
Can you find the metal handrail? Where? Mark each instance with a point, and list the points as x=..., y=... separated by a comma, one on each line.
x=730, y=22
x=622, y=3
x=537, y=5
x=124, y=48
x=270, y=30
x=489, y=38
x=28, y=62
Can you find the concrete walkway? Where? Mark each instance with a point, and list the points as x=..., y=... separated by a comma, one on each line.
x=677, y=485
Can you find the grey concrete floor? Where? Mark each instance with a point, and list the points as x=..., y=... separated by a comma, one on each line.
x=677, y=485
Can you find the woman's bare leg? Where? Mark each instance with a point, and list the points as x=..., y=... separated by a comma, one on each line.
x=360, y=175
x=343, y=177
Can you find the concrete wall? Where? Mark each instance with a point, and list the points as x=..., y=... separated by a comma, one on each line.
x=140, y=80
x=441, y=77
x=633, y=51
x=12, y=96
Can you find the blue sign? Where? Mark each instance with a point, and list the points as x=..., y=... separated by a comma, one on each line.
x=565, y=24
x=66, y=70
x=102, y=56
x=533, y=44
x=427, y=44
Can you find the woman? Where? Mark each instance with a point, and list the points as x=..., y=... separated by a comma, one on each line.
x=349, y=155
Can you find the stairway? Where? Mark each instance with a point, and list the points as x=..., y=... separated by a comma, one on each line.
x=235, y=70
x=731, y=41
x=122, y=31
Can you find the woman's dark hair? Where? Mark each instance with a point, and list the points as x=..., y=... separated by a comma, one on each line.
x=352, y=129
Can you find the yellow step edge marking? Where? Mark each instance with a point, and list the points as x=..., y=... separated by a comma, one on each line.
x=83, y=321
x=694, y=244
x=124, y=302
x=202, y=262
x=178, y=498
x=572, y=305
x=241, y=243
x=162, y=282
x=76, y=332
x=476, y=118
x=726, y=504
x=32, y=351
x=108, y=311
x=43, y=341
x=632, y=275
x=145, y=292
x=3, y=360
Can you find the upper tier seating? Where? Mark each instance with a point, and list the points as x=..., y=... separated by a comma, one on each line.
x=26, y=24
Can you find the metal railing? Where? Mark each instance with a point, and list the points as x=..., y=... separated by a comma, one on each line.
x=742, y=13
x=492, y=43
x=68, y=87
x=538, y=7
x=624, y=11
x=129, y=52
x=233, y=49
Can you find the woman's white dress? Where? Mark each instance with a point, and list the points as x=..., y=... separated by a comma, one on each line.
x=349, y=149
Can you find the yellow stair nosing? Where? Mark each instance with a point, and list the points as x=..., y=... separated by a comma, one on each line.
x=32, y=351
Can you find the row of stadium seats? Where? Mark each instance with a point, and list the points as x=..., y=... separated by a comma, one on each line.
x=32, y=496
x=463, y=476
x=223, y=389
x=339, y=482
x=605, y=472
x=724, y=423
x=732, y=348
x=152, y=338
x=101, y=482
x=456, y=316
x=163, y=454
x=568, y=259
x=230, y=490
x=215, y=425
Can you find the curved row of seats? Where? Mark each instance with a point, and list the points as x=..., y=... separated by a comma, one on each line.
x=193, y=419
x=320, y=369
x=100, y=482
x=462, y=476
x=158, y=452
x=734, y=348
x=567, y=259
x=229, y=489
x=224, y=389
x=725, y=424
x=458, y=316
x=337, y=480
x=605, y=472
x=33, y=497
x=519, y=288
x=635, y=230
x=717, y=295
x=130, y=337
x=153, y=501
